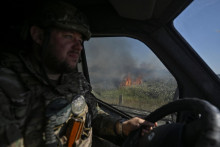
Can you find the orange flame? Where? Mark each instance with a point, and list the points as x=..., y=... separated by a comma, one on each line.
x=128, y=81
x=138, y=81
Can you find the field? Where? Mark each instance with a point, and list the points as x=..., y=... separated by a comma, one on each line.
x=147, y=96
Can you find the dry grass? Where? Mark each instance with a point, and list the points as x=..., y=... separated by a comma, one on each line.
x=147, y=96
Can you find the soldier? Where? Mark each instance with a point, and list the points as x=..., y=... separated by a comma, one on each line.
x=44, y=100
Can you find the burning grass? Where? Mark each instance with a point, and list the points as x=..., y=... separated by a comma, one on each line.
x=147, y=96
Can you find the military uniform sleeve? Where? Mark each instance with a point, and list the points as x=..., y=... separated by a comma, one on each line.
x=9, y=132
x=103, y=124
x=17, y=104
x=14, y=109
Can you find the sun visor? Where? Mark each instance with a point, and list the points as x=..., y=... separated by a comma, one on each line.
x=134, y=9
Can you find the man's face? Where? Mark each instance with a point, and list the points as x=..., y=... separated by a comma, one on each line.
x=63, y=51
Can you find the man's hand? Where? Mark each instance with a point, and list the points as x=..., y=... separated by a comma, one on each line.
x=135, y=123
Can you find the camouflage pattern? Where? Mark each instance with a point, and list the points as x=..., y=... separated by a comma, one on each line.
x=25, y=95
x=62, y=15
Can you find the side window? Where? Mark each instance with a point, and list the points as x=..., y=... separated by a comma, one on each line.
x=199, y=24
x=124, y=72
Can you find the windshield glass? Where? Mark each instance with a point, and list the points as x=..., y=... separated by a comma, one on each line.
x=199, y=24
x=124, y=72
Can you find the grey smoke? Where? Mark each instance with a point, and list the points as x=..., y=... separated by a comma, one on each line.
x=110, y=60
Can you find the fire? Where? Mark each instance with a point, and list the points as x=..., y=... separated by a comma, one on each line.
x=128, y=81
x=138, y=81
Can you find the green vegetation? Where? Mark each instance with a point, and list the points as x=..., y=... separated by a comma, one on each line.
x=147, y=96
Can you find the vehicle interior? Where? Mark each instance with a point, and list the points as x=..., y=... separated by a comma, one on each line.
x=151, y=22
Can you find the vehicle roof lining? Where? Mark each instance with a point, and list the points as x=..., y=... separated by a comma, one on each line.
x=141, y=10
x=107, y=16
x=158, y=11
x=138, y=9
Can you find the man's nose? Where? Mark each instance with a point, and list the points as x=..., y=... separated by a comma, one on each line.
x=77, y=45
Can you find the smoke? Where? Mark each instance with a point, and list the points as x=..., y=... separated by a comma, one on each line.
x=110, y=60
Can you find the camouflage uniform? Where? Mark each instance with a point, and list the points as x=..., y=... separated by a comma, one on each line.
x=25, y=94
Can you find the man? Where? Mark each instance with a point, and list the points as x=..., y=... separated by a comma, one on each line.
x=44, y=100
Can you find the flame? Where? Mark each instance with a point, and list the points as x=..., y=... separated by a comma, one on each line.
x=128, y=81
x=138, y=81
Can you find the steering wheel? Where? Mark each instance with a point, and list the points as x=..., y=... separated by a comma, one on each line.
x=202, y=132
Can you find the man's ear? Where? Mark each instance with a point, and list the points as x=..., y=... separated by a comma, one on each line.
x=37, y=34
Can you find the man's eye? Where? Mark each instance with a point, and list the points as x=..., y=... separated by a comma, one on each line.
x=81, y=41
x=68, y=36
x=71, y=36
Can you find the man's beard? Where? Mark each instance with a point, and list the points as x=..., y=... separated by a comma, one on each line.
x=55, y=66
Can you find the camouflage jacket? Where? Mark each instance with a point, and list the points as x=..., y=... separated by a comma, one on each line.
x=25, y=94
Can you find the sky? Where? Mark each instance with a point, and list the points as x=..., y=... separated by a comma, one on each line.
x=199, y=24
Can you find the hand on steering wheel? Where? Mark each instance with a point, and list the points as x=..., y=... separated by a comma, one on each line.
x=203, y=132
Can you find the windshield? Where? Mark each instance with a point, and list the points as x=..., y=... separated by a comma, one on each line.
x=199, y=24
x=124, y=72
